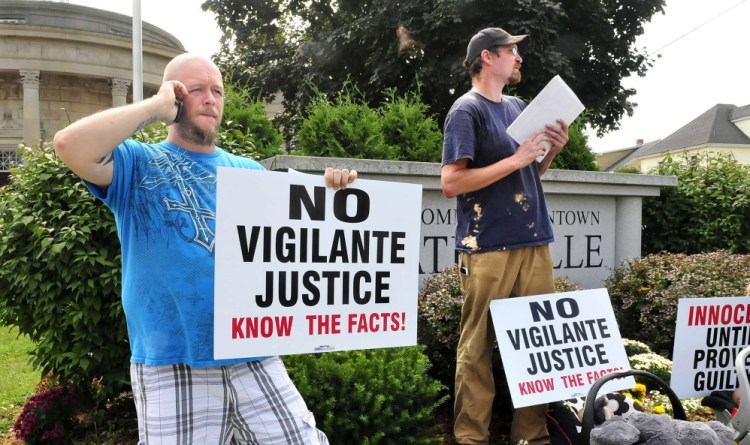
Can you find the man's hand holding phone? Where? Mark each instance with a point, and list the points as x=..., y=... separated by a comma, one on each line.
x=180, y=107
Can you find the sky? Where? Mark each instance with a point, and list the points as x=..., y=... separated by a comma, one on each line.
x=702, y=44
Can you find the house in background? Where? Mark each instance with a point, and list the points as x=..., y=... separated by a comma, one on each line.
x=611, y=160
x=723, y=129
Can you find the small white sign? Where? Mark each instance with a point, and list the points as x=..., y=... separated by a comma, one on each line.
x=555, y=346
x=303, y=268
x=709, y=334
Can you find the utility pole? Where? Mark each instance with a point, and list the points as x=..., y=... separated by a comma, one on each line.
x=137, y=52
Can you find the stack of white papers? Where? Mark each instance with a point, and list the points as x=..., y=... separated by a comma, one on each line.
x=555, y=101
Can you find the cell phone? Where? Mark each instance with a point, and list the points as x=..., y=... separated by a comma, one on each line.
x=178, y=103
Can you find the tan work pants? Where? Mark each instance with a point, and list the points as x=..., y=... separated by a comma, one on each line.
x=489, y=276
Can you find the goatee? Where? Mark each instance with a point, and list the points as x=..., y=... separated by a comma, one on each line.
x=515, y=77
x=195, y=134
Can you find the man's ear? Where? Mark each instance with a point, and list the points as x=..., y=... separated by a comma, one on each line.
x=486, y=55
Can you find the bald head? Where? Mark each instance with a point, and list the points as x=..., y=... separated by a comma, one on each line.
x=177, y=67
x=198, y=84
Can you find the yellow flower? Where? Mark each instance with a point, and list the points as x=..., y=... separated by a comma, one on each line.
x=639, y=391
x=659, y=409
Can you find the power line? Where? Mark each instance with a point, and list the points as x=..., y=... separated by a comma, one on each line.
x=697, y=27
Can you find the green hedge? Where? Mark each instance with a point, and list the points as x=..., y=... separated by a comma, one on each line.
x=346, y=127
x=645, y=291
x=708, y=210
x=60, y=272
x=379, y=396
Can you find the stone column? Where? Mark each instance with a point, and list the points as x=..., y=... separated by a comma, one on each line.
x=119, y=92
x=31, y=114
x=628, y=220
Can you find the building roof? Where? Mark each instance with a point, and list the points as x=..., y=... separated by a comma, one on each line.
x=637, y=152
x=80, y=18
x=741, y=112
x=713, y=127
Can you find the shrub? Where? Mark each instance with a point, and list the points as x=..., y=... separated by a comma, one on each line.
x=246, y=120
x=563, y=285
x=653, y=363
x=627, y=169
x=382, y=396
x=344, y=128
x=708, y=210
x=60, y=272
x=645, y=291
x=634, y=347
x=48, y=418
x=411, y=134
x=439, y=322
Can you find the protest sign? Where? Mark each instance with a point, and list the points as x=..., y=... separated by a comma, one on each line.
x=303, y=268
x=709, y=334
x=555, y=346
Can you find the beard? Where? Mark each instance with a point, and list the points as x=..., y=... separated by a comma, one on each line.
x=515, y=77
x=192, y=132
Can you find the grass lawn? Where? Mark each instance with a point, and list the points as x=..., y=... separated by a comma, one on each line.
x=17, y=378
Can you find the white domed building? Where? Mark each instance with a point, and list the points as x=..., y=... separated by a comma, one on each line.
x=60, y=62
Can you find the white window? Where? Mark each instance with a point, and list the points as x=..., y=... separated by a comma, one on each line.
x=9, y=159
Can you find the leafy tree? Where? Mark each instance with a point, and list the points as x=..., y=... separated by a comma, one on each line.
x=290, y=45
x=709, y=209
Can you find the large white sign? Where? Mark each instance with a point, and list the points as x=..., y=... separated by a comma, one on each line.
x=302, y=268
x=555, y=346
x=709, y=334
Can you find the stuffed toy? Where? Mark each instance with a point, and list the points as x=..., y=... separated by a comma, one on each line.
x=660, y=429
x=565, y=418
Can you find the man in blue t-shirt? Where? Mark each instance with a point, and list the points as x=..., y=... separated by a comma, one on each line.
x=503, y=230
x=163, y=197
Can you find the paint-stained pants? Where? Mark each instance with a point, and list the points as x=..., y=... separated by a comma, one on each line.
x=489, y=276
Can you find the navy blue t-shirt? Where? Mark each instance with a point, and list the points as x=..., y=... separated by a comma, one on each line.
x=511, y=212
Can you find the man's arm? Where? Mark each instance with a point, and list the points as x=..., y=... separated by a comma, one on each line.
x=86, y=146
x=457, y=178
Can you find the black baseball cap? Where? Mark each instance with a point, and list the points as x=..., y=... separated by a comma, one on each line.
x=487, y=38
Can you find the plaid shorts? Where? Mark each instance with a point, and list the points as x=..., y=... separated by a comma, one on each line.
x=253, y=403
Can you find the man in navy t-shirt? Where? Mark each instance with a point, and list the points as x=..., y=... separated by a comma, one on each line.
x=503, y=231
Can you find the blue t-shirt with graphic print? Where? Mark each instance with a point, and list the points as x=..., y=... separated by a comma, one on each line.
x=164, y=202
x=511, y=212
